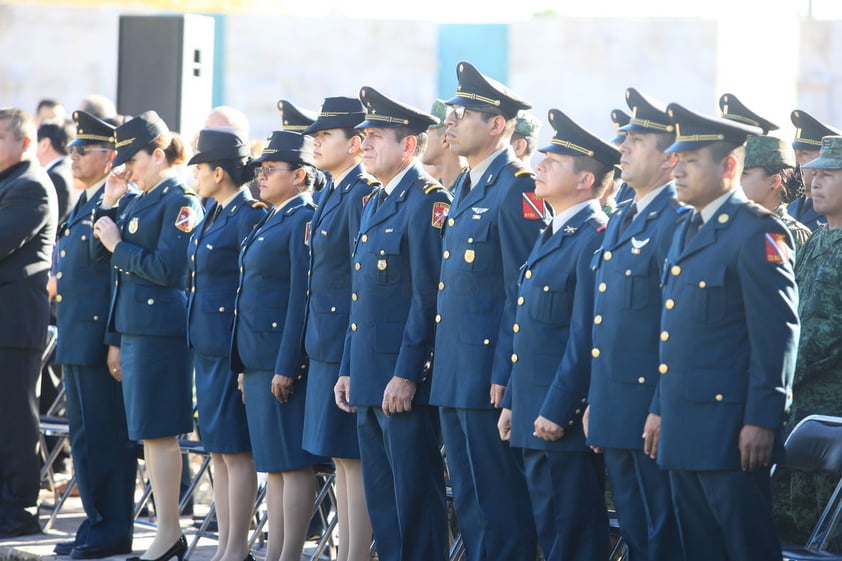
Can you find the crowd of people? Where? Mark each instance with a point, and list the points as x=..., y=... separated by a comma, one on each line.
x=375, y=282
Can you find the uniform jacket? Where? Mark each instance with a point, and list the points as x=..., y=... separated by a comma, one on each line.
x=61, y=176
x=802, y=210
x=148, y=296
x=28, y=218
x=335, y=226
x=396, y=258
x=83, y=289
x=271, y=298
x=550, y=364
x=488, y=236
x=729, y=336
x=212, y=256
x=627, y=319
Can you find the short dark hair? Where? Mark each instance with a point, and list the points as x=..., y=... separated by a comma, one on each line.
x=59, y=133
x=20, y=122
x=792, y=185
x=47, y=102
x=240, y=171
x=663, y=140
x=421, y=138
x=603, y=173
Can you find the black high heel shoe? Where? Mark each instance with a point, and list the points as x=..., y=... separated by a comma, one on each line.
x=178, y=549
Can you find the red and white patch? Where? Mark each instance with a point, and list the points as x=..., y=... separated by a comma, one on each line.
x=186, y=219
x=307, y=234
x=777, y=248
x=533, y=207
x=440, y=211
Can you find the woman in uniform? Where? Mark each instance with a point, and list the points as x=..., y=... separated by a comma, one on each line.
x=329, y=431
x=222, y=170
x=267, y=338
x=147, y=240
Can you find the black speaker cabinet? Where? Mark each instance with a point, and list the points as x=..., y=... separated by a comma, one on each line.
x=166, y=64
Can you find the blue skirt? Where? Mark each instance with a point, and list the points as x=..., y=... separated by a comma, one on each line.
x=328, y=430
x=157, y=385
x=223, y=427
x=276, y=428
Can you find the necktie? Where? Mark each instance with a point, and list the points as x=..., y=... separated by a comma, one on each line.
x=466, y=187
x=692, y=228
x=381, y=196
x=628, y=216
x=217, y=210
x=547, y=233
x=83, y=199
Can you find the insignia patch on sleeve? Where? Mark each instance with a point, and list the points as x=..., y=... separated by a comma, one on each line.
x=440, y=211
x=777, y=250
x=186, y=219
x=307, y=234
x=533, y=207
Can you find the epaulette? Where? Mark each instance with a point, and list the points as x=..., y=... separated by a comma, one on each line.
x=427, y=186
x=679, y=207
x=758, y=210
x=370, y=180
x=254, y=203
x=518, y=169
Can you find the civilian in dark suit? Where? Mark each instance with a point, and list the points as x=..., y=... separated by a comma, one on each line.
x=29, y=215
x=53, y=140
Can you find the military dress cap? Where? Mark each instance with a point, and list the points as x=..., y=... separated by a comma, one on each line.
x=830, y=154
x=693, y=131
x=809, y=131
x=648, y=115
x=287, y=146
x=527, y=125
x=90, y=130
x=734, y=110
x=439, y=111
x=219, y=143
x=478, y=90
x=295, y=118
x=137, y=133
x=384, y=113
x=573, y=140
x=338, y=113
x=620, y=119
x=768, y=152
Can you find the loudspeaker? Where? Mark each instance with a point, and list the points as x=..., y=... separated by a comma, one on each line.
x=166, y=64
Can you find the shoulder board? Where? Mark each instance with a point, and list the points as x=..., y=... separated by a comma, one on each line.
x=427, y=186
x=518, y=169
x=679, y=207
x=254, y=203
x=758, y=210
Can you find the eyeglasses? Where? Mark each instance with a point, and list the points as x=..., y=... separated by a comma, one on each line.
x=458, y=111
x=265, y=171
x=82, y=150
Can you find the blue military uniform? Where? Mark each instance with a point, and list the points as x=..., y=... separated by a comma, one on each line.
x=729, y=331
x=104, y=459
x=489, y=233
x=550, y=366
x=627, y=316
x=396, y=259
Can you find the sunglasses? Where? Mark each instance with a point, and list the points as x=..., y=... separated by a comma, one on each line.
x=458, y=111
x=266, y=171
x=82, y=150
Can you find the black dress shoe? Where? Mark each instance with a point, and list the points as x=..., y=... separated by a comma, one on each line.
x=178, y=549
x=64, y=548
x=99, y=551
x=14, y=530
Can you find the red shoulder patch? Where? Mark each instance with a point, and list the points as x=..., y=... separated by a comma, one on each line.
x=777, y=248
x=186, y=219
x=533, y=207
x=440, y=211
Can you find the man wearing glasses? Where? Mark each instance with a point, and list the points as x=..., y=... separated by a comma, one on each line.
x=491, y=228
x=103, y=457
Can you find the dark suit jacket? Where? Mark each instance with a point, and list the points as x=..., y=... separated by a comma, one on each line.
x=62, y=178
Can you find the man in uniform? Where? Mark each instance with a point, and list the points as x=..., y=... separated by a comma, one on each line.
x=491, y=229
x=525, y=137
x=621, y=191
x=551, y=366
x=438, y=159
x=729, y=329
x=104, y=459
x=384, y=372
x=809, y=132
x=29, y=215
x=627, y=318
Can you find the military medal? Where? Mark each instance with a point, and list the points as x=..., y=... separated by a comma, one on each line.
x=381, y=265
x=637, y=245
x=133, y=225
x=470, y=255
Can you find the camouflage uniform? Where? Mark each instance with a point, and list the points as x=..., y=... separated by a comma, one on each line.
x=800, y=232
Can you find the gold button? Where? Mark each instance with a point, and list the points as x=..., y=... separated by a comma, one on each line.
x=470, y=240
x=607, y=256
x=595, y=352
x=515, y=328
x=702, y=284
x=486, y=342
x=603, y=287
x=451, y=222
x=222, y=308
x=241, y=269
x=63, y=253
x=641, y=380
x=723, y=218
x=333, y=308
x=669, y=304
x=546, y=288
x=719, y=397
x=96, y=318
x=520, y=301
x=84, y=237
x=663, y=368
x=578, y=411
x=235, y=311
x=193, y=258
x=665, y=335
x=274, y=324
x=59, y=298
x=438, y=318
x=67, y=231
x=382, y=252
x=196, y=243
x=192, y=289
x=354, y=296
x=152, y=300
x=364, y=238
x=59, y=275
x=528, y=274
x=570, y=423
x=514, y=358
x=441, y=286
x=628, y=272
x=353, y=327
x=597, y=319
x=357, y=266
x=446, y=254
x=675, y=270
x=193, y=274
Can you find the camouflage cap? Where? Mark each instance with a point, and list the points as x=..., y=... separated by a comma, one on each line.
x=830, y=155
x=439, y=110
x=527, y=124
x=768, y=152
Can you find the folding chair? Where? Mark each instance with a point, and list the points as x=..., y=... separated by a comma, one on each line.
x=815, y=446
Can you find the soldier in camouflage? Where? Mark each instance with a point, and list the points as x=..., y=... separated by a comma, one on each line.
x=770, y=179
